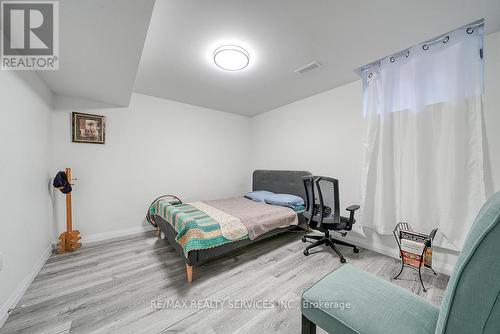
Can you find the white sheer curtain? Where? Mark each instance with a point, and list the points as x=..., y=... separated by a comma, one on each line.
x=423, y=150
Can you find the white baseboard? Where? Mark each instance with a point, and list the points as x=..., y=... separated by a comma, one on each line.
x=115, y=234
x=20, y=290
x=441, y=267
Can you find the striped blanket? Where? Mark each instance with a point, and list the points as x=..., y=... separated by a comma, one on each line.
x=200, y=226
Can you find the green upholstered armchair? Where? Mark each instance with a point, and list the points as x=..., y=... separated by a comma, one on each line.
x=350, y=300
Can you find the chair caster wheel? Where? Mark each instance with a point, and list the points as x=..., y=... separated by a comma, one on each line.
x=306, y=252
x=342, y=260
x=304, y=239
x=356, y=250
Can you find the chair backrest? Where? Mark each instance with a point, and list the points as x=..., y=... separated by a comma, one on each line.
x=309, y=200
x=328, y=197
x=471, y=302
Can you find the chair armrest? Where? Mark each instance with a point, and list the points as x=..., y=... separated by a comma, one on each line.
x=353, y=208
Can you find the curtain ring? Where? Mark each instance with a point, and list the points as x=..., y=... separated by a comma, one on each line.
x=446, y=39
x=370, y=75
x=392, y=59
x=469, y=30
x=425, y=47
x=407, y=53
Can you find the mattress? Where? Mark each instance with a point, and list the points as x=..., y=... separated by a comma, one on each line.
x=209, y=224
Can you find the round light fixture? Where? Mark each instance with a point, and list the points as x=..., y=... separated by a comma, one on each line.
x=231, y=57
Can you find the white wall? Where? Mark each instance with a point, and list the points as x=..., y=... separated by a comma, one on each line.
x=25, y=207
x=323, y=134
x=153, y=147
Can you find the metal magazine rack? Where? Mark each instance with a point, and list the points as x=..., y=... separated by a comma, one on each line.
x=415, y=249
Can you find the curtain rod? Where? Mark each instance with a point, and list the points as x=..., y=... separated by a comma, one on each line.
x=469, y=28
x=446, y=37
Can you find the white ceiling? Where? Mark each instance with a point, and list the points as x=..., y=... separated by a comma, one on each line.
x=101, y=42
x=100, y=46
x=281, y=35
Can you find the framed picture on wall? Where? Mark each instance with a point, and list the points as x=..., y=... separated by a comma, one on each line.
x=87, y=128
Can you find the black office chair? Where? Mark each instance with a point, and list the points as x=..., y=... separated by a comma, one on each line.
x=323, y=213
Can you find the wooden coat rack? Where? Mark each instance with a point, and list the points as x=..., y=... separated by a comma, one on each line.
x=69, y=240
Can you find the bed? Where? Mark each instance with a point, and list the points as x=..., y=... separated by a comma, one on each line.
x=171, y=216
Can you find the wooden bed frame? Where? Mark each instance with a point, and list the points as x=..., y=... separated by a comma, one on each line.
x=278, y=181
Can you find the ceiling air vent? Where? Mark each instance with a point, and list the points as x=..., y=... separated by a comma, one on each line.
x=308, y=67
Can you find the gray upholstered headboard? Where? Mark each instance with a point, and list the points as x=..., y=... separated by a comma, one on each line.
x=280, y=181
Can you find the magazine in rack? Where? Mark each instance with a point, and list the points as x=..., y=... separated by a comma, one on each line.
x=415, y=249
x=413, y=245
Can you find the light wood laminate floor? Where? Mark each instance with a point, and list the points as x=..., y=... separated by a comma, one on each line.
x=108, y=287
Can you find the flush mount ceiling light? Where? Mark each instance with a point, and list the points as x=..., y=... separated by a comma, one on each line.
x=231, y=57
